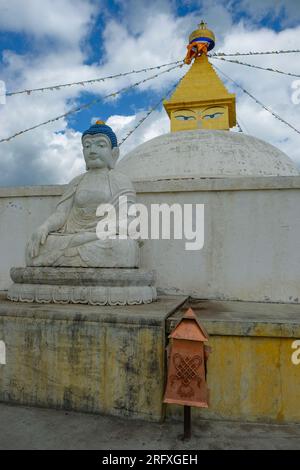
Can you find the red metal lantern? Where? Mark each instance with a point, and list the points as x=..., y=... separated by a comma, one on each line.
x=186, y=384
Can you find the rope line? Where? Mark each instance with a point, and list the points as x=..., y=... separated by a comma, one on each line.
x=88, y=105
x=258, y=102
x=140, y=122
x=242, y=125
x=215, y=54
x=257, y=67
x=84, y=82
x=238, y=126
x=57, y=87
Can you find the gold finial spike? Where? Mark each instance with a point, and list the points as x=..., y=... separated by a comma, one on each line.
x=202, y=25
x=203, y=32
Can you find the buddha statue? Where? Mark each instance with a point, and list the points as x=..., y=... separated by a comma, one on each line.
x=66, y=259
x=68, y=237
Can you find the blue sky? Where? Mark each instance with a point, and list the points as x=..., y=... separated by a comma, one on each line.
x=57, y=41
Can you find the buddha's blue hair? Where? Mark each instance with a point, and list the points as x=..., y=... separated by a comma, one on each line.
x=102, y=128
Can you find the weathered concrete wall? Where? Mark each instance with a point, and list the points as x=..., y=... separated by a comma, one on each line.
x=251, y=249
x=252, y=236
x=21, y=211
x=250, y=379
x=251, y=375
x=94, y=359
x=111, y=359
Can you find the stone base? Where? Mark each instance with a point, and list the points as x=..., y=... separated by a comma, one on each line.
x=79, y=357
x=44, y=294
x=112, y=359
x=94, y=286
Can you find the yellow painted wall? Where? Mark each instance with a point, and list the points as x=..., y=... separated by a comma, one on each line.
x=201, y=100
x=111, y=360
x=209, y=117
x=252, y=379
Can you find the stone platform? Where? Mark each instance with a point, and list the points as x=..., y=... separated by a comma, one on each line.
x=86, y=358
x=111, y=359
x=94, y=286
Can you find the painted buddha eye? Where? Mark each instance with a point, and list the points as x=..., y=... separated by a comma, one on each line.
x=212, y=116
x=185, y=118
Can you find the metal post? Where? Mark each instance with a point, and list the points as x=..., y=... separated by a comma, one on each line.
x=187, y=423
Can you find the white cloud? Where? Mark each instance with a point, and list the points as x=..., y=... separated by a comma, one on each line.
x=156, y=124
x=42, y=156
x=287, y=11
x=162, y=41
x=272, y=89
x=62, y=156
x=283, y=12
x=121, y=123
x=24, y=160
x=139, y=40
x=64, y=20
x=136, y=14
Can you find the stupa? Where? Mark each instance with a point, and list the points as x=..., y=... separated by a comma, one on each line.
x=243, y=284
x=201, y=112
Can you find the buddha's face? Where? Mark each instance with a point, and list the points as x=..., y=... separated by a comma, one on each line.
x=98, y=152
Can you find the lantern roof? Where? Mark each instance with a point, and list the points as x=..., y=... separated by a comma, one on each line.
x=189, y=328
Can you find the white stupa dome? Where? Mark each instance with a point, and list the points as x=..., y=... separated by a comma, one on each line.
x=205, y=153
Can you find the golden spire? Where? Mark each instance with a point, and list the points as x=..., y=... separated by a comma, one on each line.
x=201, y=100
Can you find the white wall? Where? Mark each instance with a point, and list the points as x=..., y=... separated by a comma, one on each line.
x=21, y=211
x=252, y=236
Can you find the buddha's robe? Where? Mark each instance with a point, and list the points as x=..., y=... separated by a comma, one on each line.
x=76, y=243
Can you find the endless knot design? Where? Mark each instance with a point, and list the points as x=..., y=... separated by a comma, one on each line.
x=187, y=370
